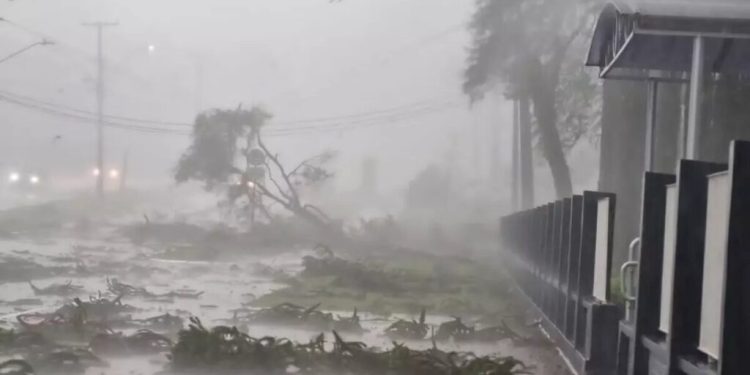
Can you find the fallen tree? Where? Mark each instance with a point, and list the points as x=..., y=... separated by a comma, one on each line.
x=228, y=154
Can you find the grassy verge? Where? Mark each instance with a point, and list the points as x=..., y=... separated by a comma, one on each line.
x=456, y=287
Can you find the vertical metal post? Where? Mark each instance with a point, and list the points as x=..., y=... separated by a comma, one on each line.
x=253, y=141
x=100, y=104
x=681, y=138
x=495, y=154
x=653, y=93
x=697, y=81
x=525, y=154
x=124, y=171
x=198, y=86
x=100, y=114
x=515, y=158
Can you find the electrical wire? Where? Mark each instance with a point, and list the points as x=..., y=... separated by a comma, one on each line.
x=324, y=124
x=90, y=113
x=56, y=112
x=333, y=123
x=342, y=127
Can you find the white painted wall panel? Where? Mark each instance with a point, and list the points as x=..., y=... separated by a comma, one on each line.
x=667, y=276
x=714, y=266
x=601, y=255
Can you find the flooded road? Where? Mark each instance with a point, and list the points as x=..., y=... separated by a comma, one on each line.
x=227, y=286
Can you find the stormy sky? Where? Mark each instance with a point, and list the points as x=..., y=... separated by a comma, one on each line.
x=366, y=78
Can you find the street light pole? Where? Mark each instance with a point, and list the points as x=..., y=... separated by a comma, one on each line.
x=100, y=103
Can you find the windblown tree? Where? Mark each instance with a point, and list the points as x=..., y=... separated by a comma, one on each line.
x=228, y=155
x=534, y=49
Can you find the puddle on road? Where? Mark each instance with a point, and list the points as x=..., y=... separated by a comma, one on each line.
x=226, y=286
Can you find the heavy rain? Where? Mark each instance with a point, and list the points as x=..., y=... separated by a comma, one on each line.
x=375, y=187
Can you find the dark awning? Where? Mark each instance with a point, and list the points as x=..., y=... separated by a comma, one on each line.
x=641, y=40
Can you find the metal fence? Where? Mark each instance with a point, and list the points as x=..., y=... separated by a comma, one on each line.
x=560, y=256
x=688, y=288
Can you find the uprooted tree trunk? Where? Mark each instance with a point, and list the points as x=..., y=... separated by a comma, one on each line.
x=284, y=192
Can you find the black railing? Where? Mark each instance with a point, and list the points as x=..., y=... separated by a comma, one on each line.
x=560, y=256
x=691, y=284
x=693, y=304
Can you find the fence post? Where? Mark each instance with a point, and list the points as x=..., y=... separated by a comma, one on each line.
x=736, y=327
x=632, y=357
x=689, y=255
x=562, y=265
x=574, y=259
x=561, y=256
x=601, y=318
x=681, y=270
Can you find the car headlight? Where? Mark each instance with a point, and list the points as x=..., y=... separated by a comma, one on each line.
x=14, y=177
x=33, y=179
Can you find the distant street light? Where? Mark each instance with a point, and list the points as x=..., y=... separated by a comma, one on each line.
x=151, y=48
x=43, y=42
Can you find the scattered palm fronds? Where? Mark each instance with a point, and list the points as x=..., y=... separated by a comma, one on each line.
x=458, y=331
x=288, y=314
x=16, y=367
x=454, y=329
x=65, y=289
x=78, y=319
x=142, y=342
x=121, y=289
x=58, y=326
x=350, y=274
x=64, y=361
x=97, y=309
x=225, y=349
x=348, y=324
x=17, y=269
x=264, y=270
x=408, y=330
x=12, y=341
x=182, y=294
x=25, y=302
x=166, y=322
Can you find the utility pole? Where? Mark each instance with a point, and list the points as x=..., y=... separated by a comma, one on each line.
x=198, y=86
x=495, y=154
x=124, y=172
x=523, y=169
x=525, y=155
x=516, y=170
x=100, y=103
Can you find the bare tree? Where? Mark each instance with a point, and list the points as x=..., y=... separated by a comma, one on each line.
x=228, y=154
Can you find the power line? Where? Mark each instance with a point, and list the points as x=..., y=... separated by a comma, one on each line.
x=360, y=123
x=331, y=122
x=43, y=42
x=406, y=47
x=269, y=133
x=112, y=124
x=386, y=111
x=85, y=112
x=86, y=56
